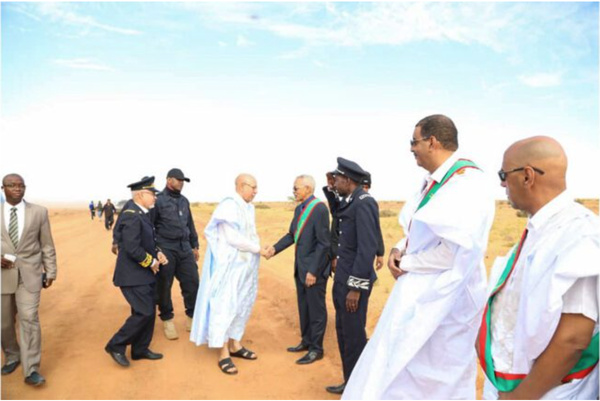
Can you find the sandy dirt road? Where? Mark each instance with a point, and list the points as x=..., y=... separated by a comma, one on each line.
x=83, y=309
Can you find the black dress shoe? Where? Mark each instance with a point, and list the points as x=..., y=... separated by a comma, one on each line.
x=35, y=379
x=336, y=389
x=298, y=348
x=147, y=355
x=119, y=358
x=310, y=357
x=10, y=367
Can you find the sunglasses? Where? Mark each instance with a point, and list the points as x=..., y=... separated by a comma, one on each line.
x=502, y=174
x=413, y=142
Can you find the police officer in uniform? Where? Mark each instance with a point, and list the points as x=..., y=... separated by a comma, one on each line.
x=176, y=236
x=333, y=201
x=358, y=227
x=138, y=261
x=366, y=184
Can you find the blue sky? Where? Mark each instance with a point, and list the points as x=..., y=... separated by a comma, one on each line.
x=103, y=93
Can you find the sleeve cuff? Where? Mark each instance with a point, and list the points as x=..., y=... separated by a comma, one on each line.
x=401, y=245
x=148, y=261
x=356, y=283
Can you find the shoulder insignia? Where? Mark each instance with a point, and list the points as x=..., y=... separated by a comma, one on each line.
x=461, y=171
x=363, y=196
x=128, y=211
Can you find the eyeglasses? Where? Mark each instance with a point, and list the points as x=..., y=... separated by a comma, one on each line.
x=251, y=186
x=14, y=186
x=298, y=188
x=150, y=193
x=413, y=142
x=502, y=174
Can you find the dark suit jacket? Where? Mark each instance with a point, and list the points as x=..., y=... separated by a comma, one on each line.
x=312, y=249
x=137, y=248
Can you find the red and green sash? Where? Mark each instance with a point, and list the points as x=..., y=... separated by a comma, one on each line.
x=457, y=168
x=303, y=218
x=506, y=382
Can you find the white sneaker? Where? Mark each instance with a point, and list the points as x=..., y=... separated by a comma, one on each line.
x=170, y=330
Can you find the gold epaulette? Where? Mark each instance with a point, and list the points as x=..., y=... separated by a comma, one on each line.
x=128, y=211
x=148, y=261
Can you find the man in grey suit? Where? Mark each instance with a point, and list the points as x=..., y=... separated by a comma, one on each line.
x=309, y=231
x=28, y=264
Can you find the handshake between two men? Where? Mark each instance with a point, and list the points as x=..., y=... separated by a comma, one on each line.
x=268, y=251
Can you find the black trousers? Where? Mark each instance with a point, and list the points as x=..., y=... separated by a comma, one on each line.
x=313, y=313
x=350, y=327
x=139, y=327
x=108, y=221
x=182, y=266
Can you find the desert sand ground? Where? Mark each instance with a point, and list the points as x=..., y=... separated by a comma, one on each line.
x=83, y=309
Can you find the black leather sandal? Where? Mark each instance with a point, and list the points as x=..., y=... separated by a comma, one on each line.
x=244, y=354
x=226, y=365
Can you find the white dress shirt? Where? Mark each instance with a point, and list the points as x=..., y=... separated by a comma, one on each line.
x=20, y=215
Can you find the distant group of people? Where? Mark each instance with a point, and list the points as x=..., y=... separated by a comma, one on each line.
x=534, y=328
x=108, y=210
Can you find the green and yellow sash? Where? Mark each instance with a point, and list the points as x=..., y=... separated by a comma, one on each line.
x=506, y=382
x=303, y=218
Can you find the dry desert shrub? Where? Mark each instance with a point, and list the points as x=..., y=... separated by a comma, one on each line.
x=388, y=213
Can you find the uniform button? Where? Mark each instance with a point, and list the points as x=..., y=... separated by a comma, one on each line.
x=338, y=257
x=340, y=233
x=339, y=244
x=340, y=220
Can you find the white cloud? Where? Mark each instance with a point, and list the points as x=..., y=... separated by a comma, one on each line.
x=242, y=41
x=542, y=80
x=63, y=12
x=82, y=64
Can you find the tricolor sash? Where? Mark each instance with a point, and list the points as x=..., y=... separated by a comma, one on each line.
x=506, y=382
x=457, y=167
x=303, y=218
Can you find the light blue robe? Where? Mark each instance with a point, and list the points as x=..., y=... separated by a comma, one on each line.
x=229, y=282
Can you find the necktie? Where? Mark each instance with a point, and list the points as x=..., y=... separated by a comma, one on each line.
x=13, y=227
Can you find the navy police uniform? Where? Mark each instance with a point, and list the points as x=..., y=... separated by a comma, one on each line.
x=358, y=227
x=312, y=255
x=380, y=246
x=137, y=252
x=176, y=236
x=334, y=204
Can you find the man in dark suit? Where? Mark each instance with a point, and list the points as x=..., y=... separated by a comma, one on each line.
x=28, y=264
x=309, y=230
x=138, y=262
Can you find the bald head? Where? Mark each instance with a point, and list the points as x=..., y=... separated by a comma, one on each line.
x=246, y=187
x=540, y=165
x=544, y=153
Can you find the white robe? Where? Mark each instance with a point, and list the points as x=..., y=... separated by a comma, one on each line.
x=423, y=345
x=561, y=251
x=229, y=282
